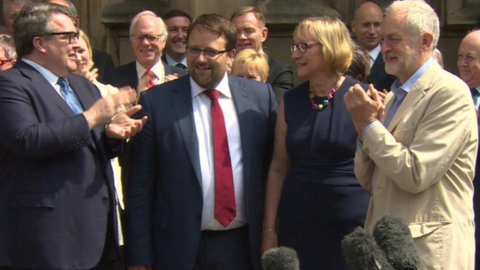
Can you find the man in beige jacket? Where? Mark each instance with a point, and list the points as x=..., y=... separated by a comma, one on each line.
x=418, y=157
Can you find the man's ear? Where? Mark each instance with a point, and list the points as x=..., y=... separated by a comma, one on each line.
x=39, y=44
x=264, y=34
x=427, y=40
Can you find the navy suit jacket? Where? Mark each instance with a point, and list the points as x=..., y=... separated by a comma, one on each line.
x=127, y=75
x=164, y=195
x=379, y=77
x=280, y=77
x=56, y=181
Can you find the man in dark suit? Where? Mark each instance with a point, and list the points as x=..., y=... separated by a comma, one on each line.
x=148, y=34
x=469, y=67
x=251, y=33
x=366, y=26
x=177, y=22
x=57, y=195
x=196, y=185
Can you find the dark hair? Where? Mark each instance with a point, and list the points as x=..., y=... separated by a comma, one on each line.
x=218, y=24
x=360, y=67
x=176, y=13
x=31, y=22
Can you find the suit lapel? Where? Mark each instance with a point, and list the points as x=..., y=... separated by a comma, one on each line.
x=41, y=85
x=414, y=96
x=182, y=104
x=242, y=105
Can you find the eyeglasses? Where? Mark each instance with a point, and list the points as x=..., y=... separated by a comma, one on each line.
x=302, y=47
x=6, y=61
x=70, y=35
x=209, y=53
x=150, y=38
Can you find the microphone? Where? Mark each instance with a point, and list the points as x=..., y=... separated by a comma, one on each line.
x=394, y=238
x=281, y=258
x=361, y=252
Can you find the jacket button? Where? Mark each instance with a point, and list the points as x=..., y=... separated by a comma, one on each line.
x=104, y=199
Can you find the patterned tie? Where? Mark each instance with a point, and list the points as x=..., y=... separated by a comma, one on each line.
x=70, y=96
x=225, y=209
x=150, y=77
x=180, y=65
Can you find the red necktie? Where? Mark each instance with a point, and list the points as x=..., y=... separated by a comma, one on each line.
x=150, y=77
x=225, y=209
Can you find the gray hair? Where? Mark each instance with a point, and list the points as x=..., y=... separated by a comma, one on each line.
x=420, y=18
x=21, y=2
x=31, y=22
x=6, y=42
x=163, y=27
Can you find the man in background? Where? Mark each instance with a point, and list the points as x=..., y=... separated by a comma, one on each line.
x=252, y=33
x=10, y=10
x=177, y=22
x=469, y=67
x=148, y=35
x=366, y=26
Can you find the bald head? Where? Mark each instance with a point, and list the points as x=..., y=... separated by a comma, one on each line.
x=366, y=25
x=468, y=59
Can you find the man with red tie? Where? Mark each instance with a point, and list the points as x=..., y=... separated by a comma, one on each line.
x=196, y=181
x=148, y=35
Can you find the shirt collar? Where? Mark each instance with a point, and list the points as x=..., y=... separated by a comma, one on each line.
x=408, y=85
x=47, y=74
x=223, y=87
x=172, y=62
x=157, y=69
x=375, y=52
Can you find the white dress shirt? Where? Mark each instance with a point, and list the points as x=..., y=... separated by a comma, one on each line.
x=374, y=54
x=203, y=125
x=172, y=62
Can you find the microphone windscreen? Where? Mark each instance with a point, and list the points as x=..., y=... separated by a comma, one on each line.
x=281, y=258
x=362, y=253
x=394, y=238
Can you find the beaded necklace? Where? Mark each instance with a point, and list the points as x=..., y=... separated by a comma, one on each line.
x=325, y=101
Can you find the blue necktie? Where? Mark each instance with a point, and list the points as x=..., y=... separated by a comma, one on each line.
x=70, y=96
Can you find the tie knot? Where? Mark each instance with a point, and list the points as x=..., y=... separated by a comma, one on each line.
x=474, y=92
x=180, y=65
x=149, y=73
x=62, y=82
x=212, y=94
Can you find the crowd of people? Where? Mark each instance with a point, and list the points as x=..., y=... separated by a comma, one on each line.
x=202, y=154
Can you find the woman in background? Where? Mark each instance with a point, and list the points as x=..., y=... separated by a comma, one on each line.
x=311, y=184
x=252, y=65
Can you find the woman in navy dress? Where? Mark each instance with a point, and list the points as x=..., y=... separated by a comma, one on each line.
x=311, y=184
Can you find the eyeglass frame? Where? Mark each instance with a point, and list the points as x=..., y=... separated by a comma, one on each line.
x=71, y=35
x=150, y=38
x=205, y=52
x=294, y=47
x=6, y=61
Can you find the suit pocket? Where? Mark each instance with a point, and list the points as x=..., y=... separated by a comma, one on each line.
x=432, y=241
x=34, y=200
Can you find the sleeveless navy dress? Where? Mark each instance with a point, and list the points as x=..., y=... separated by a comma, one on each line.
x=322, y=200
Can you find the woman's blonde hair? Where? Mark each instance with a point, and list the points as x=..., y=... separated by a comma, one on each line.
x=87, y=41
x=253, y=61
x=332, y=34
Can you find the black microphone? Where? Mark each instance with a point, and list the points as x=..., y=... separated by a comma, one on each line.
x=393, y=236
x=361, y=252
x=281, y=258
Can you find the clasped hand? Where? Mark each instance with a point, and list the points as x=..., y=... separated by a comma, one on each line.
x=115, y=111
x=364, y=107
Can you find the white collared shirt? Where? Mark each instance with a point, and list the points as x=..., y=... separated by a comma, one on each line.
x=203, y=126
x=158, y=69
x=47, y=74
x=173, y=62
x=374, y=54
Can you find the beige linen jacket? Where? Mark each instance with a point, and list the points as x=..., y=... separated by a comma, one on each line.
x=421, y=168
